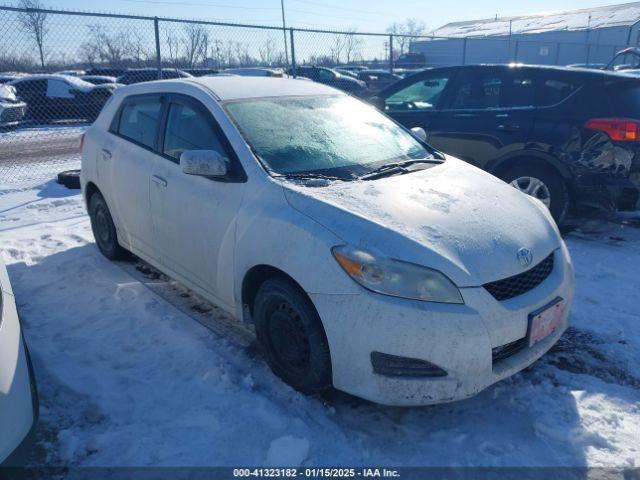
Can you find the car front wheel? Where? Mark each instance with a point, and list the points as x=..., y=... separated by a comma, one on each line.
x=291, y=335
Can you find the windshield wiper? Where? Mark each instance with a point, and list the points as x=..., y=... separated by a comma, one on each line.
x=310, y=175
x=397, y=167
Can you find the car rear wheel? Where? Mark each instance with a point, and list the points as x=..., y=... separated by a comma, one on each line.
x=104, y=230
x=541, y=183
x=291, y=335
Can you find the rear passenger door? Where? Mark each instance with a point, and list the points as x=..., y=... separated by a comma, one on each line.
x=194, y=216
x=125, y=163
x=415, y=101
x=483, y=120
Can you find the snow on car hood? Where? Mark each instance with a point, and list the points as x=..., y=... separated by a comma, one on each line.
x=452, y=217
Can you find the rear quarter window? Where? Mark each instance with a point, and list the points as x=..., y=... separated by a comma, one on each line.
x=553, y=91
x=138, y=120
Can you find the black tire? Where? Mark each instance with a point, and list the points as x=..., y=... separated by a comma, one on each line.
x=291, y=335
x=70, y=179
x=104, y=230
x=554, y=183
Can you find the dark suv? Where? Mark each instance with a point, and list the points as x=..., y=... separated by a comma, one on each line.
x=565, y=136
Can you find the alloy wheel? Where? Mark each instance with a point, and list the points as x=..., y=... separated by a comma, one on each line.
x=534, y=187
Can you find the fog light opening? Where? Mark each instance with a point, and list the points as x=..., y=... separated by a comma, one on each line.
x=395, y=366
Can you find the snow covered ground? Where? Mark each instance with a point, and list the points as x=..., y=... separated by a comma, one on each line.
x=135, y=370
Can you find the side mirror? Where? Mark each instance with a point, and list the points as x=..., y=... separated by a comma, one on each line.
x=419, y=133
x=204, y=163
x=377, y=102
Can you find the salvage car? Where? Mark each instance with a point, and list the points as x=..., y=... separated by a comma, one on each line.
x=365, y=259
x=328, y=76
x=12, y=110
x=569, y=137
x=61, y=97
x=18, y=394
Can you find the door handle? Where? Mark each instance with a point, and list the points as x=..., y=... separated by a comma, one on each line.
x=106, y=154
x=159, y=180
x=509, y=128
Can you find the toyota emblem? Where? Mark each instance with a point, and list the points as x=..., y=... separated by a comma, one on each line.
x=525, y=257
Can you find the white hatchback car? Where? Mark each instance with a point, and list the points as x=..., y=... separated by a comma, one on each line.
x=18, y=395
x=365, y=259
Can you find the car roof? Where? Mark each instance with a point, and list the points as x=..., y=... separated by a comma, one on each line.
x=549, y=68
x=46, y=76
x=237, y=88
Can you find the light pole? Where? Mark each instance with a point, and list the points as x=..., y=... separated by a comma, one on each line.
x=284, y=35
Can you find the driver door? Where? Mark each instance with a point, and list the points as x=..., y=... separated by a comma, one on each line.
x=415, y=101
x=194, y=216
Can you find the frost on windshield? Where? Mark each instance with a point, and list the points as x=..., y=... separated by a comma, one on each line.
x=321, y=133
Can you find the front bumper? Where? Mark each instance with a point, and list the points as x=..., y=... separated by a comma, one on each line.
x=456, y=338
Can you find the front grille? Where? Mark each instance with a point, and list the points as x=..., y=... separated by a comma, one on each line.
x=12, y=114
x=505, y=351
x=521, y=283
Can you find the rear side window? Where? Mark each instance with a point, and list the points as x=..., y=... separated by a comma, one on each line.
x=478, y=92
x=190, y=129
x=421, y=95
x=139, y=118
x=553, y=91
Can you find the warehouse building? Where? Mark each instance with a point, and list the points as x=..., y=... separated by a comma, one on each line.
x=587, y=36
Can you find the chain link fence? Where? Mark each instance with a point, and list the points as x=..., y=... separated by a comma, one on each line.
x=58, y=68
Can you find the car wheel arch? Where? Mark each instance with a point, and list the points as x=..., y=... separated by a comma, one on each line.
x=504, y=164
x=89, y=190
x=254, y=278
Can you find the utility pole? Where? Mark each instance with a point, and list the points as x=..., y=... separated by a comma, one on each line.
x=284, y=35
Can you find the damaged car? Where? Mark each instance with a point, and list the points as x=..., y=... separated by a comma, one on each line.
x=366, y=259
x=568, y=137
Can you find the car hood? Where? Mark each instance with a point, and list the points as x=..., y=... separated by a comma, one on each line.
x=452, y=217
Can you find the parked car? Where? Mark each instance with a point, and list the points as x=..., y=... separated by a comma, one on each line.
x=411, y=60
x=364, y=258
x=72, y=73
x=376, y=80
x=61, y=97
x=626, y=61
x=18, y=394
x=255, y=72
x=328, y=76
x=6, y=77
x=200, y=72
x=348, y=73
x=566, y=136
x=99, y=79
x=12, y=110
x=106, y=71
x=137, y=75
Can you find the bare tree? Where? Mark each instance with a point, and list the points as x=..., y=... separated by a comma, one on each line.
x=339, y=42
x=195, y=43
x=266, y=51
x=36, y=22
x=173, y=47
x=352, y=43
x=404, y=31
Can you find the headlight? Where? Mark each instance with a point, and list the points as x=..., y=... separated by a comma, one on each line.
x=396, y=278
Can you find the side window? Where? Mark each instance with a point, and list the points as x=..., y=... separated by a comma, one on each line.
x=554, y=91
x=325, y=75
x=189, y=129
x=139, y=120
x=59, y=89
x=522, y=92
x=478, y=92
x=421, y=95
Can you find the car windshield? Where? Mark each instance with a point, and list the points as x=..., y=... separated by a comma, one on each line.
x=331, y=135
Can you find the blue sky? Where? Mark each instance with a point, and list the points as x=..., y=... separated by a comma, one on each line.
x=364, y=15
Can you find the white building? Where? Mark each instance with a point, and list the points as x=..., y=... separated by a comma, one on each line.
x=590, y=35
